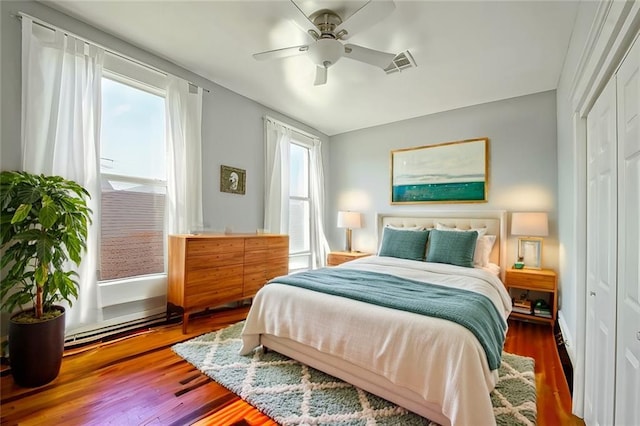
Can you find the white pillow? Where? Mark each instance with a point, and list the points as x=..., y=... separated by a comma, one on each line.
x=484, y=243
x=491, y=267
x=443, y=227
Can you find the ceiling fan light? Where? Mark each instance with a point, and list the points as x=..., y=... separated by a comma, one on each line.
x=325, y=52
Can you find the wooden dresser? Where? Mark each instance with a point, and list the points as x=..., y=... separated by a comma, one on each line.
x=208, y=270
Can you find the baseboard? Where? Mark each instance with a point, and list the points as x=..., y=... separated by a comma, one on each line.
x=567, y=337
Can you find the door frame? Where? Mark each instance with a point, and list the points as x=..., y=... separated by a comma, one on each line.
x=614, y=28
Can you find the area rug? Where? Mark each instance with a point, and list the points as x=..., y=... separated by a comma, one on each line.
x=292, y=393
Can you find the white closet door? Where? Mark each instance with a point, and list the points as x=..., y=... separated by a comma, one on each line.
x=601, y=259
x=628, y=351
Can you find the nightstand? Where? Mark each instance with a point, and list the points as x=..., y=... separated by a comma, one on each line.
x=337, y=257
x=534, y=285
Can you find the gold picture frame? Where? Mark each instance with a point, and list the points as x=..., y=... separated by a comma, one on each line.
x=450, y=172
x=232, y=180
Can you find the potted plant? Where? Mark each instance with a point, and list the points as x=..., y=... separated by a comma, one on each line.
x=43, y=231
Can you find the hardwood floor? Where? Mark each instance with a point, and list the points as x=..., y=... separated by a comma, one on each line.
x=139, y=381
x=554, y=399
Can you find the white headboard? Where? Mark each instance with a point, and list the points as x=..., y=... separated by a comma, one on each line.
x=494, y=220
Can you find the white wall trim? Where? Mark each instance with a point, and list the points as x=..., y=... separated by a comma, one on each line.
x=589, y=48
x=579, y=262
x=567, y=337
x=615, y=26
x=117, y=292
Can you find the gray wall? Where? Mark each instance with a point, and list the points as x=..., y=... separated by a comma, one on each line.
x=232, y=132
x=522, y=165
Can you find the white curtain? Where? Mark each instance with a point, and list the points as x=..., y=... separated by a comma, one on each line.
x=276, y=203
x=184, y=154
x=276, y=213
x=320, y=246
x=61, y=83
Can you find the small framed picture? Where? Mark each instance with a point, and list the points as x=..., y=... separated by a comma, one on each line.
x=530, y=252
x=232, y=180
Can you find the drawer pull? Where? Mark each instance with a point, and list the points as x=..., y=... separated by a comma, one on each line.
x=592, y=293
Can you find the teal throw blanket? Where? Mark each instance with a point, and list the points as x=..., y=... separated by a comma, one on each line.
x=474, y=311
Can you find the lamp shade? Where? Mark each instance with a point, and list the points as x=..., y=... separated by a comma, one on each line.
x=530, y=224
x=349, y=220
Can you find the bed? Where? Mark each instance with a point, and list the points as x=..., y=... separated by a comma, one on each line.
x=432, y=366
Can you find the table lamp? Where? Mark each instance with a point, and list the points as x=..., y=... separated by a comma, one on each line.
x=349, y=220
x=529, y=225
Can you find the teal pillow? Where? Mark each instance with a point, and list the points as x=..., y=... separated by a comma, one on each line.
x=404, y=244
x=455, y=248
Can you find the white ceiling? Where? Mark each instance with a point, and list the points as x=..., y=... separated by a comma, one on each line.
x=467, y=53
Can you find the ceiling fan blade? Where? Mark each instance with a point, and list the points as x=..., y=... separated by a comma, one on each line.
x=371, y=13
x=305, y=24
x=373, y=57
x=321, y=76
x=281, y=53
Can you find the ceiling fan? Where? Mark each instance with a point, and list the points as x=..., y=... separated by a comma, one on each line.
x=327, y=29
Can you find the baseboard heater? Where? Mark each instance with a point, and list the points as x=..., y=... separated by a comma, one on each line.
x=104, y=333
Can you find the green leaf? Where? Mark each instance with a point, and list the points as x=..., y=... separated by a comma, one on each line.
x=29, y=193
x=41, y=275
x=31, y=235
x=48, y=213
x=21, y=213
x=73, y=247
x=43, y=249
x=17, y=299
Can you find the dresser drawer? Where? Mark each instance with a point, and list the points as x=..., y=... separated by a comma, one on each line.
x=278, y=267
x=222, y=258
x=214, y=295
x=256, y=256
x=256, y=243
x=529, y=280
x=208, y=246
x=253, y=282
x=212, y=277
x=279, y=245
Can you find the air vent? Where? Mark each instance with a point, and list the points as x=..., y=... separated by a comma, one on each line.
x=401, y=62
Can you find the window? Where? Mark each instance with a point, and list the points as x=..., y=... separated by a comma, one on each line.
x=133, y=173
x=299, y=208
x=294, y=197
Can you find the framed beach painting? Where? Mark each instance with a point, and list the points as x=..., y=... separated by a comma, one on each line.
x=451, y=172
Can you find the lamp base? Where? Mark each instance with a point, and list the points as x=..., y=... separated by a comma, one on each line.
x=348, y=241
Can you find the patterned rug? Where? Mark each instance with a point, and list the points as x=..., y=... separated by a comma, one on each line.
x=293, y=394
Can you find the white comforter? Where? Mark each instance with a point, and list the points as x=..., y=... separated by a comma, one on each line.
x=435, y=358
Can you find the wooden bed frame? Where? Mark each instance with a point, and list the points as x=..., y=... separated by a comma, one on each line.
x=494, y=221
